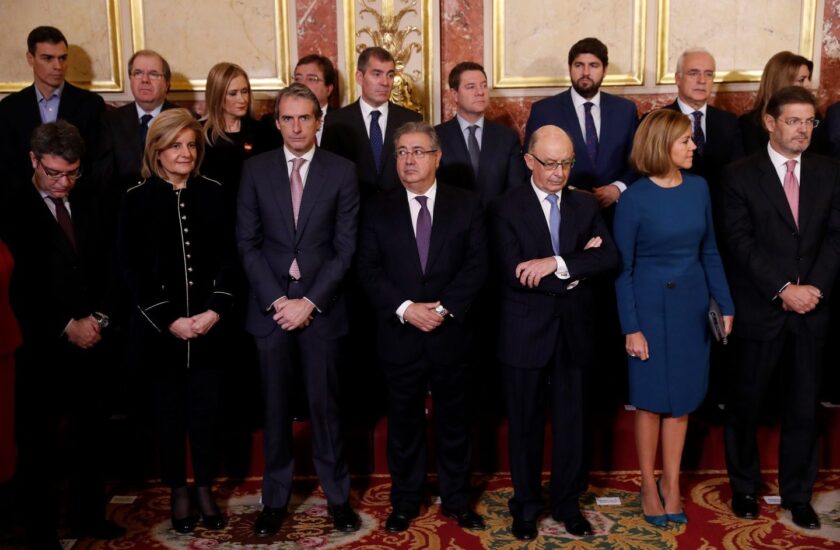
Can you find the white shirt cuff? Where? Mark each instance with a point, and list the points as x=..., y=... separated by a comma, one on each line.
x=562, y=271
x=621, y=185
x=401, y=310
x=271, y=306
x=313, y=304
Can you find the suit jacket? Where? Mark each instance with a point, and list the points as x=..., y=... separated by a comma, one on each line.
x=766, y=248
x=19, y=115
x=832, y=129
x=389, y=272
x=618, y=127
x=723, y=145
x=53, y=282
x=323, y=242
x=533, y=319
x=500, y=163
x=119, y=153
x=345, y=134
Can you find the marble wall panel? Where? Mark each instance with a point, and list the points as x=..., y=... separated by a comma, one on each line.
x=92, y=30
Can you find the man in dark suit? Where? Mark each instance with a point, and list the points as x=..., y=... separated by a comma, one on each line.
x=715, y=131
x=421, y=261
x=356, y=131
x=600, y=125
x=318, y=74
x=49, y=97
x=296, y=229
x=122, y=133
x=59, y=295
x=782, y=225
x=548, y=243
x=478, y=154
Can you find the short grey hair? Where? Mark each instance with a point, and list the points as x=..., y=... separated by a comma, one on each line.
x=418, y=127
x=690, y=51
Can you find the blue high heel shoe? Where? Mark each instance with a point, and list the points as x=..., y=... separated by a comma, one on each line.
x=678, y=517
x=660, y=521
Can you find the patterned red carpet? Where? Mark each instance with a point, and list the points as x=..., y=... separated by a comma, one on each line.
x=712, y=526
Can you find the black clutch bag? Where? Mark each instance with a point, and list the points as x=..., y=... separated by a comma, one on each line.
x=716, y=321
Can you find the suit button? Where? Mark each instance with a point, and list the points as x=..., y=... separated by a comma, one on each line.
x=186, y=243
x=182, y=205
x=189, y=270
x=186, y=230
x=190, y=283
x=183, y=217
x=189, y=256
x=670, y=284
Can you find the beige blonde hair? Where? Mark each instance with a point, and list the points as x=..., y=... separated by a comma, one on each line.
x=656, y=135
x=218, y=81
x=779, y=72
x=163, y=131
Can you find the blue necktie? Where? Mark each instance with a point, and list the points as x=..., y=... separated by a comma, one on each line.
x=554, y=223
x=144, y=130
x=591, y=132
x=424, y=231
x=698, y=136
x=376, y=139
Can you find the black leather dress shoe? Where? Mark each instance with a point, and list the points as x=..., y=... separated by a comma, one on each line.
x=577, y=525
x=269, y=521
x=524, y=529
x=467, y=518
x=345, y=519
x=398, y=522
x=803, y=514
x=103, y=530
x=744, y=506
x=214, y=522
x=184, y=525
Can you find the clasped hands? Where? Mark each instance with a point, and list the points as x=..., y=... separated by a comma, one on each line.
x=187, y=328
x=800, y=298
x=531, y=272
x=83, y=333
x=423, y=315
x=291, y=314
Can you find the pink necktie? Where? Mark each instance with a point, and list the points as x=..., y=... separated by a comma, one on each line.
x=297, y=195
x=792, y=190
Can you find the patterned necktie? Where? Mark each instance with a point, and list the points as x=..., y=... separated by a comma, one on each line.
x=297, y=195
x=554, y=223
x=591, y=132
x=698, y=136
x=792, y=190
x=424, y=231
x=62, y=216
x=144, y=130
x=376, y=139
x=472, y=147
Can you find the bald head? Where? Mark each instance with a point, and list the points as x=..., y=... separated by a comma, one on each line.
x=550, y=145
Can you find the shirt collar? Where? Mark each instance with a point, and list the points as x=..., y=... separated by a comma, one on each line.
x=154, y=112
x=431, y=193
x=464, y=124
x=291, y=156
x=56, y=93
x=367, y=109
x=542, y=194
x=778, y=159
x=688, y=109
x=578, y=100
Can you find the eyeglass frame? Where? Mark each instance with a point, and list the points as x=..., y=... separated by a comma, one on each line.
x=57, y=175
x=138, y=74
x=416, y=153
x=796, y=122
x=311, y=78
x=566, y=164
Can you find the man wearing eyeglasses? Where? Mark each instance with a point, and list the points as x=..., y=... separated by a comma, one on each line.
x=60, y=296
x=317, y=73
x=421, y=262
x=50, y=97
x=549, y=241
x=781, y=221
x=123, y=130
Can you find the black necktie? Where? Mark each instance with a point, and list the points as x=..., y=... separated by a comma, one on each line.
x=62, y=216
x=472, y=147
x=144, y=129
x=698, y=136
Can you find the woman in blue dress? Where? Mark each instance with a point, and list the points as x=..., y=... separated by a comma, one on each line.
x=670, y=269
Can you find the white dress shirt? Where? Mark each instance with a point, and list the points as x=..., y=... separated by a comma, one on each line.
x=688, y=110
x=562, y=271
x=320, y=131
x=383, y=119
x=465, y=130
x=414, y=208
x=578, y=101
x=780, y=164
x=154, y=112
x=304, y=170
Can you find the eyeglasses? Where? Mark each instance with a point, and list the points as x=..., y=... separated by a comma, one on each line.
x=695, y=74
x=311, y=78
x=403, y=154
x=137, y=74
x=553, y=165
x=811, y=122
x=55, y=175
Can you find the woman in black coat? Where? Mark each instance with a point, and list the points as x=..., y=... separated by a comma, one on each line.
x=179, y=259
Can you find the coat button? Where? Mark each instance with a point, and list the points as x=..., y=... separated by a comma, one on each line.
x=182, y=205
x=189, y=270
x=186, y=230
x=189, y=256
x=190, y=283
x=186, y=243
x=183, y=217
x=670, y=284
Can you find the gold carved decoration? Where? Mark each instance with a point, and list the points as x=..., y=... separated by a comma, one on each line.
x=412, y=87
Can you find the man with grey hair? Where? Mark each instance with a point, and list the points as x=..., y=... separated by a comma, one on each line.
x=421, y=262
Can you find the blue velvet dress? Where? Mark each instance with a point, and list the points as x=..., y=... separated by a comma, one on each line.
x=670, y=266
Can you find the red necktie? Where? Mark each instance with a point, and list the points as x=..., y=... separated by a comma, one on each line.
x=62, y=216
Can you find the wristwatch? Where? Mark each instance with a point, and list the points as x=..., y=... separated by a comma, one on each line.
x=102, y=319
x=442, y=311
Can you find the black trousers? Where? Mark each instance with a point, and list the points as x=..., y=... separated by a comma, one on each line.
x=407, y=386
x=795, y=356
x=528, y=391
x=56, y=380
x=187, y=403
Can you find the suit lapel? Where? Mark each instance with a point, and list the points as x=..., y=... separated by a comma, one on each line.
x=808, y=192
x=535, y=219
x=459, y=145
x=315, y=182
x=489, y=148
x=33, y=112
x=567, y=222
x=281, y=191
x=68, y=101
x=403, y=229
x=441, y=222
x=362, y=135
x=769, y=182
